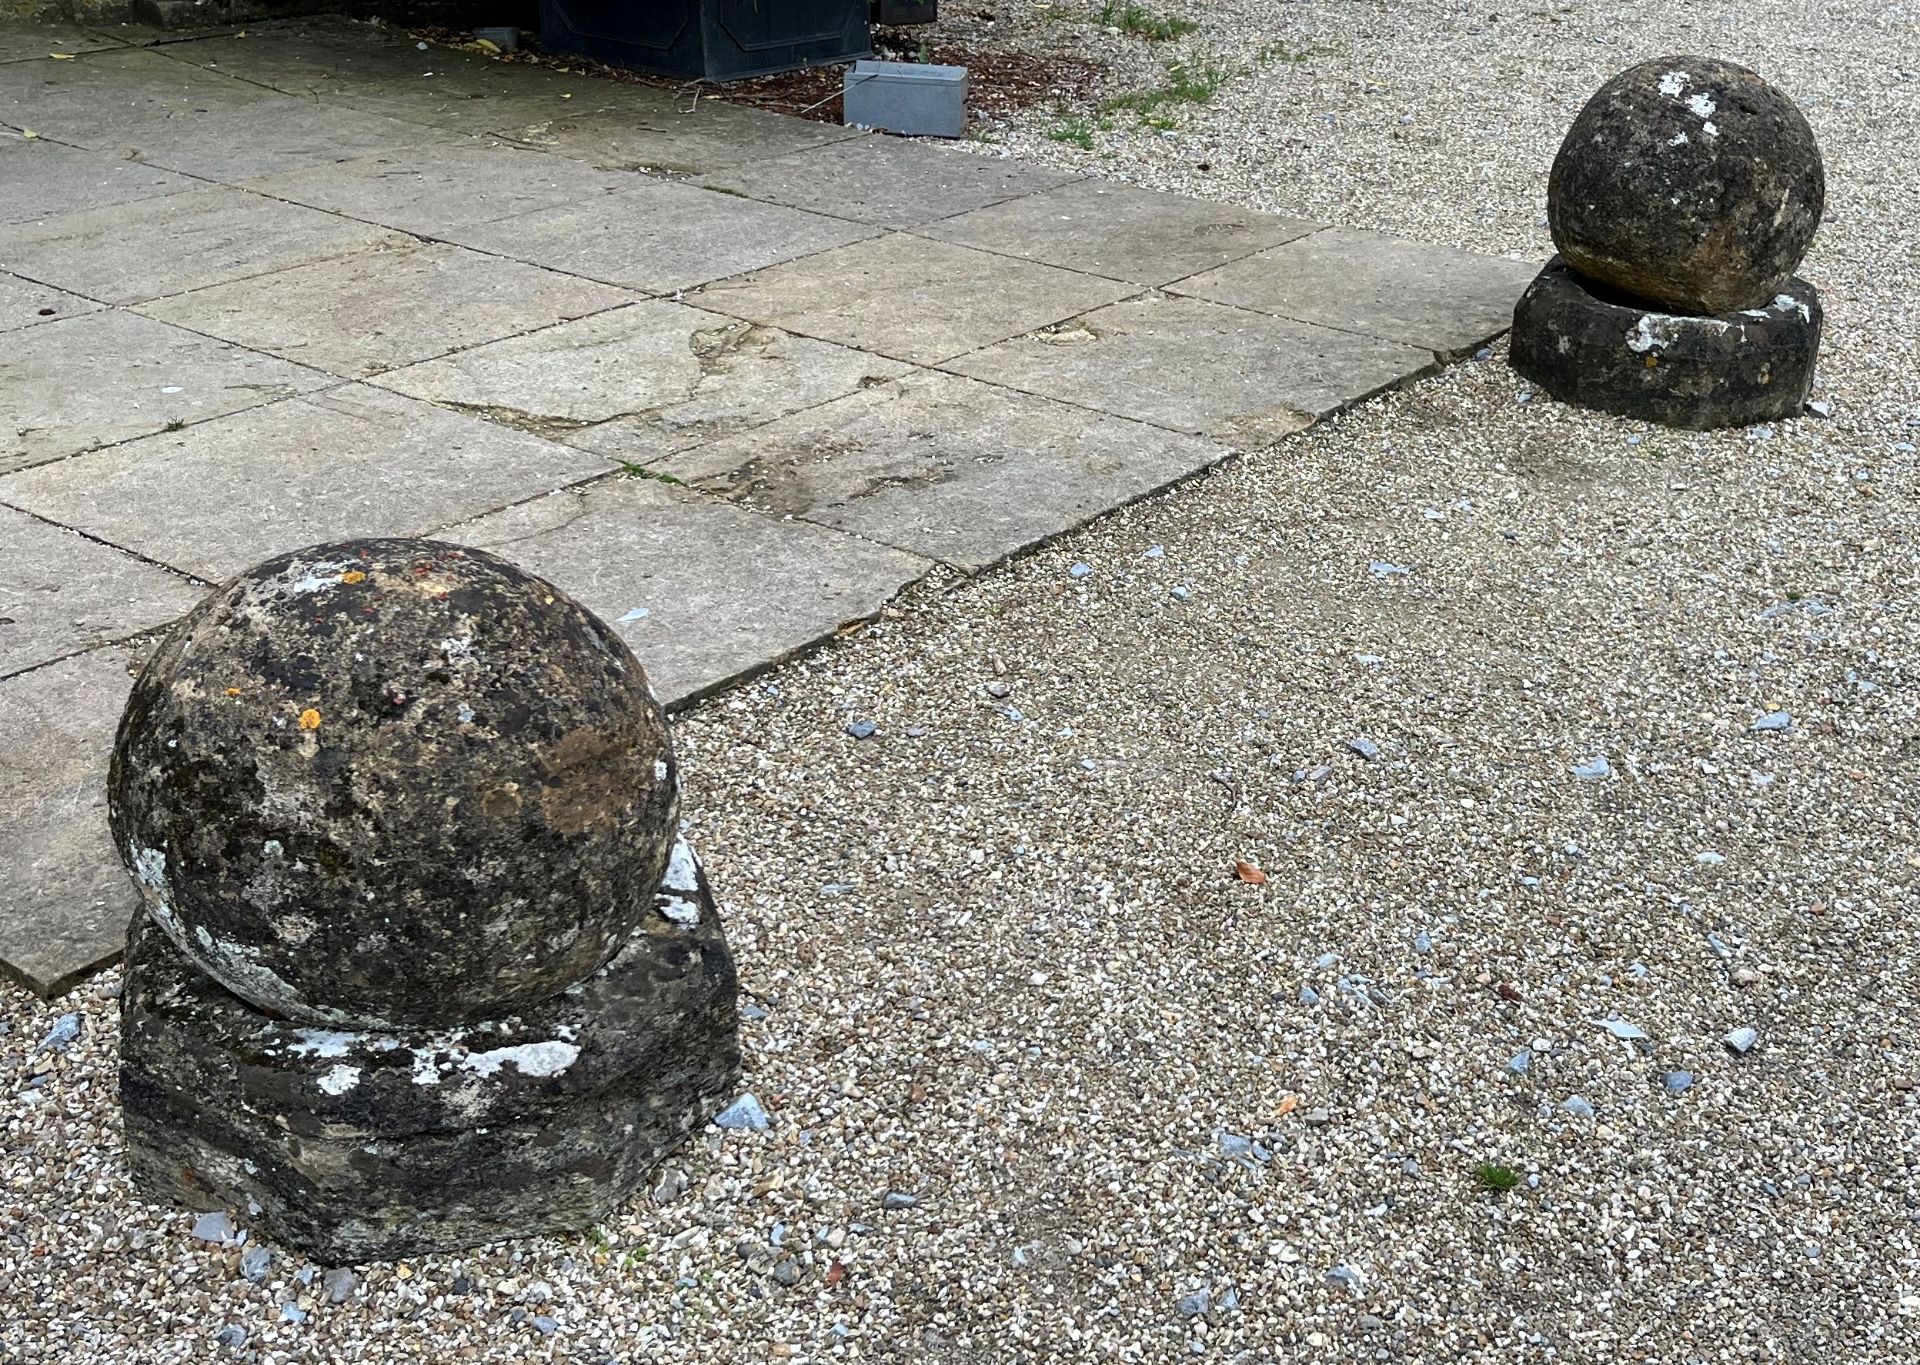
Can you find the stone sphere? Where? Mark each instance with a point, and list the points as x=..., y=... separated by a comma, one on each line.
x=1688, y=184
x=384, y=783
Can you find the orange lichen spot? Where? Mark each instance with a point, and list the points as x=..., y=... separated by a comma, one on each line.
x=309, y=719
x=233, y=691
x=353, y=576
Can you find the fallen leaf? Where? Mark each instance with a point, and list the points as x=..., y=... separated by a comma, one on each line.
x=1250, y=874
x=835, y=1273
x=61, y=56
x=1289, y=1104
x=916, y=1093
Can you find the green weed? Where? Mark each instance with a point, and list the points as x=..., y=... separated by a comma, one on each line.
x=1137, y=21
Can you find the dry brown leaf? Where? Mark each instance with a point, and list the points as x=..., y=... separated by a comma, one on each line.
x=1289, y=1104
x=1250, y=874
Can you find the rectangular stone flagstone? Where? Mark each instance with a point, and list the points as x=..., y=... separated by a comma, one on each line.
x=944, y=467
x=64, y=897
x=104, y=377
x=125, y=253
x=1435, y=297
x=1119, y=231
x=272, y=137
x=355, y=461
x=26, y=304
x=705, y=593
x=362, y=314
x=642, y=381
x=910, y=298
x=1240, y=377
x=95, y=99
x=890, y=182
x=661, y=236
x=45, y=179
x=675, y=135
x=26, y=40
x=436, y=192
x=61, y=593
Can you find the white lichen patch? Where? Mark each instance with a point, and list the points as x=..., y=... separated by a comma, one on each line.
x=683, y=869
x=1646, y=335
x=1787, y=303
x=530, y=1059
x=683, y=913
x=1677, y=140
x=659, y=770
x=319, y=1042
x=340, y=1079
x=149, y=866
x=1673, y=83
x=1702, y=105
x=319, y=577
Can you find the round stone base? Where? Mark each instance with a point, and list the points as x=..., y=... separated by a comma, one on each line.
x=358, y=1146
x=1728, y=370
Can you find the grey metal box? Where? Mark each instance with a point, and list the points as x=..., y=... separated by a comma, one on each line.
x=909, y=98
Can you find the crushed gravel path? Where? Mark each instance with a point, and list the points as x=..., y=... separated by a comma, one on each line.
x=1546, y=730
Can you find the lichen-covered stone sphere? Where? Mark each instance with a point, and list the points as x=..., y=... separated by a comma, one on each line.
x=382, y=783
x=1689, y=184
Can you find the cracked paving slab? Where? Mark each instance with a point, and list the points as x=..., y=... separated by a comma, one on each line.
x=705, y=593
x=354, y=461
x=640, y=382
x=363, y=314
x=944, y=467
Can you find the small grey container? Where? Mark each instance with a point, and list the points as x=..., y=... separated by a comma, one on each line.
x=909, y=98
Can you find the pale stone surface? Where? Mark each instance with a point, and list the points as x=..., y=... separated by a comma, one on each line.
x=98, y=100
x=705, y=593
x=1240, y=377
x=681, y=137
x=26, y=304
x=435, y=192
x=1120, y=231
x=66, y=896
x=45, y=179
x=639, y=382
x=944, y=467
x=104, y=377
x=272, y=137
x=1434, y=297
x=22, y=41
x=886, y=181
x=217, y=497
x=911, y=298
x=661, y=237
x=61, y=593
x=126, y=253
x=363, y=314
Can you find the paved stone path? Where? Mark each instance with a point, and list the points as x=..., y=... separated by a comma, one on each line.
x=732, y=379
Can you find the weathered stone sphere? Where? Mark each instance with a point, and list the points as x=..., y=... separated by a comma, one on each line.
x=1689, y=184
x=385, y=783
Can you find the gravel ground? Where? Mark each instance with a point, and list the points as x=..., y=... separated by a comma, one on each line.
x=1143, y=1108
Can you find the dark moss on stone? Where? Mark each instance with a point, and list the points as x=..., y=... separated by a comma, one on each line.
x=1680, y=370
x=384, y=783
x=1689, y=184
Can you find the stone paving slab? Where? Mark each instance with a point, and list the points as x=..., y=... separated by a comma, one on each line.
x=1435, y=297
x=26, y=304
x=94, y=101
x=23, y=40
x=1243, y=378
x=128, y=253
x=355, y=461
x=683, y=137
x=437, y=191
x=944, y=467
x=328, y=54
x=886, y=181
x=61, y=593
x=640, y=382
x=45, y=179
x=271, y=137
x=661, y=237
x=910, y=298
x=106, y=377
x=64, y=897
x=360, y=315
x=1119, y=231
x=705, y=593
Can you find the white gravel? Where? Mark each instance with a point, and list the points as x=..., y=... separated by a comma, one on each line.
x=1008, y=967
